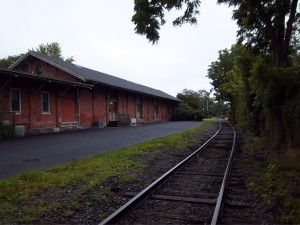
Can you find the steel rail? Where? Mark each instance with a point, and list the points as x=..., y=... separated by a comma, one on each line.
x=224, y=182
x=141, y=195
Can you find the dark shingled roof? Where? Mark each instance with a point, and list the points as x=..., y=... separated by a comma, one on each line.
x=93, y=76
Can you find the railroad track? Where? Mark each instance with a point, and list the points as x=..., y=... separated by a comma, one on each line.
x=192, y=192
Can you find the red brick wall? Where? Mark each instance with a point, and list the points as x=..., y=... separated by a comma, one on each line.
x=163, y=105
x=92, y=103
x=86, y=107
x=67, y=105
x=99, y=105
x=36, y=116
x=23, y=116
x=31, y=104
x=122, y=102
x=163, y=110
x=66, y=102
x=145, y=110
x=4, y=96
x=149, y=109
x=48, y=71
x=131, y=105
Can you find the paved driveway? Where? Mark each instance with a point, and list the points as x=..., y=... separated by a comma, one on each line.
x=47, y=150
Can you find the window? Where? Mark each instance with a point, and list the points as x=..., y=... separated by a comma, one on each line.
x=15, y=100
x=45, y=103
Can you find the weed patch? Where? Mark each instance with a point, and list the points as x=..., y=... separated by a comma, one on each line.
x=276, y=181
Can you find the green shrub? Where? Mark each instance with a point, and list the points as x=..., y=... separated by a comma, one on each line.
x=186, y=112
x=7, y=132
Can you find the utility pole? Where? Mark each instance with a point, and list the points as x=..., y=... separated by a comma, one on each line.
x=207, y=108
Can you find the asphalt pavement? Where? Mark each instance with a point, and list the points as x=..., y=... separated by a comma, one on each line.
x=42, y=151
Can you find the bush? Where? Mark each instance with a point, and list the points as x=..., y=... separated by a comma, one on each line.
x=7, y=132
x=186, y=112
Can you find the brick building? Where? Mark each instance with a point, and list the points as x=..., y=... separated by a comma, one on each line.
x=43, y=93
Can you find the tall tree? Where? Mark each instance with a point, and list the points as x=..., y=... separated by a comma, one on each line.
x=192, y=98
x=191, y=107
x=267, y=26
x=52, y=49
x=230, y=75
x=200, y=104
x=6, y=62
x=217, y=73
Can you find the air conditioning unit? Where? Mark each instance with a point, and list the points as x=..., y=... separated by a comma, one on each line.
x=20, y=130
x=133, y=122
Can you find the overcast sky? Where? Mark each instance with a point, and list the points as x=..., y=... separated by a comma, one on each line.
x=100, y=35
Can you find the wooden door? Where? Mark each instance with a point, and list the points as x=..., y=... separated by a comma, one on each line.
x=68, y=108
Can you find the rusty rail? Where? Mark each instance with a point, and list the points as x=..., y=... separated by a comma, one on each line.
x=145, y=192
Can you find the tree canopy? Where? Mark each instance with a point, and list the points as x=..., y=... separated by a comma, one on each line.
x=52, y=49
x=198, y=104
x=149, y=15
x=263, y=97
x=267, y=26
x=259, y=75
x=6, y=62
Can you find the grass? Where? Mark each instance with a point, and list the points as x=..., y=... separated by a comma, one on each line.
x=277, y=180
x=29, y=196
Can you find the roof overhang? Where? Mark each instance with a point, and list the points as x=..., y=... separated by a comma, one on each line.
x=133, y=91
x=32, y=54
x=118, y=83
x=17, y=74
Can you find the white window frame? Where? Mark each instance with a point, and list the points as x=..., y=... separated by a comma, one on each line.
x=20, y=103
x=42, y=103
